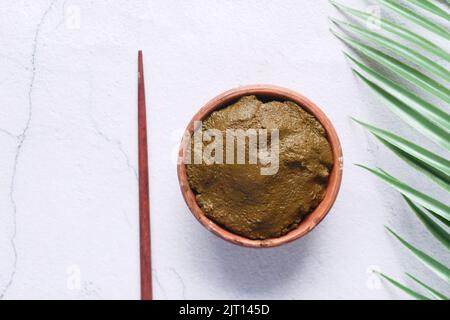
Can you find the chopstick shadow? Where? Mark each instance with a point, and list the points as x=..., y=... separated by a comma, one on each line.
x=257, y=272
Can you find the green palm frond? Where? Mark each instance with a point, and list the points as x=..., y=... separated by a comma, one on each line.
x=423, y=116
x=399, y=68
x=429, y=6
x=434, y=293
x=437, y=267
x=428, y=110
x=435, y=229
x=403, y=288
x=428, y=163
x=400, y=31
x=419, y=197
x=410, y=116
x=402, y=50
x=438, y=217
x=416, y=18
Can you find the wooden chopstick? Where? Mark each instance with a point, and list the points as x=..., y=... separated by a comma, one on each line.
x=144, y=208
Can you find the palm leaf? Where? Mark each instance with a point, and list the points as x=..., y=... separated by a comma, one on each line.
x=412, y=117
x=405, y=52
x=403, y=70
x=437, y=231
x=441, y=219
x=427, y=5
x=435, y=114
x=415, y=150
x=430, y=164
x=424, y=200
x=438, y=268
x=436, y=176
x=433, y=292
x=417, y=19
x=397, y=30
x=423, y=116
x=403, y=288
x=434, y=214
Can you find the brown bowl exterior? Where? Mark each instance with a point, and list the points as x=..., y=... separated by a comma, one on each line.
x=315, y=217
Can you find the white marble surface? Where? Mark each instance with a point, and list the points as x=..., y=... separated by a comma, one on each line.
x=68, y=188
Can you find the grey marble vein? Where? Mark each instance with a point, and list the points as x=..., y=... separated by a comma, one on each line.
x=113, y=141
x=22, y=138
x=183, y=285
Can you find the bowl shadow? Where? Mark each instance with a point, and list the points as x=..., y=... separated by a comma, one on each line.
x=254, y=272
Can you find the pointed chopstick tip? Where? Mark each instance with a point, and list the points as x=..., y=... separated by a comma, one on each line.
x=140, y=65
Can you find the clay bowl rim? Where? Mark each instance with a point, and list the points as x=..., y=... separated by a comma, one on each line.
x=275, y=93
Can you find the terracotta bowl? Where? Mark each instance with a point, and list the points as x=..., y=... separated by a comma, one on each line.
x=274, y=93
